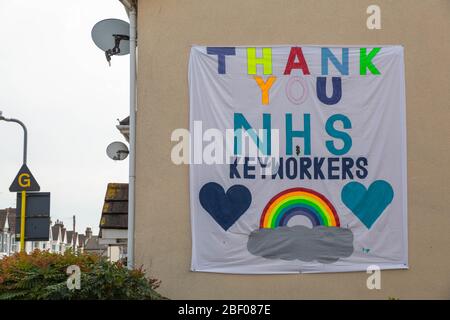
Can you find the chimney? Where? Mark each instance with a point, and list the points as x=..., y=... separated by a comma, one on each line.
x=88, y=232
x=74, y=237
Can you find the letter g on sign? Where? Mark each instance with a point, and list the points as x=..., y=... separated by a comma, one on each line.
x=24, y=180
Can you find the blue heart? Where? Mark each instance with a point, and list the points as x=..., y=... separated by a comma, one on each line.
x=369, y=204
x=225, y=208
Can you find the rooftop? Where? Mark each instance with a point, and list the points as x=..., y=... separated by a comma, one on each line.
x=124, y=128
x=93, y=245
x=9, y=213
x=115, y=208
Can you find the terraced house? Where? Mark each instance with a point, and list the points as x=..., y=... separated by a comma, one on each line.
x=8, y=244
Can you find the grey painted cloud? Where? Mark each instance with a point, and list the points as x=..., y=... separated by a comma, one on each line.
x=324, y=244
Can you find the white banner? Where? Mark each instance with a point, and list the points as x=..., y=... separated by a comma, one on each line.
x=297, y=159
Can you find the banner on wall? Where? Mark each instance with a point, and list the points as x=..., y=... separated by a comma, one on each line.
x=297, y=159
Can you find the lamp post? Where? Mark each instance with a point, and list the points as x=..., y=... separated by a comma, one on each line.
x=22, y=215
x=25, y=134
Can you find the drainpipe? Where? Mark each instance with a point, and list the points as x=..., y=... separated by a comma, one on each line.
x=131, y=8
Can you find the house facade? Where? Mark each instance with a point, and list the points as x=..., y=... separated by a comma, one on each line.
x=167, y=30
x=8, y=243
x=114, y=222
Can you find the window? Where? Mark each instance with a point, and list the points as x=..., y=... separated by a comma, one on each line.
x=13, y=244
x=1, y=242
x=6, y=241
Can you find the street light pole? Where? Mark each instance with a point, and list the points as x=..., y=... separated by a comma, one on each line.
x=25, y=134
x=24, y=193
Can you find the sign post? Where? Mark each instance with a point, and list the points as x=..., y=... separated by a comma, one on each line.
x=22, y=186
x=22, y=221
x=23, y=182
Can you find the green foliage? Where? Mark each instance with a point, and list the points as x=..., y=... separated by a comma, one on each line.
x=42, y=275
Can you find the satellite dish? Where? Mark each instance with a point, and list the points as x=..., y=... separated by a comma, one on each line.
x=112, y=36
x=117, y=150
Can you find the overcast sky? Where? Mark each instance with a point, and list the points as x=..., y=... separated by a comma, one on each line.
x=54, y=79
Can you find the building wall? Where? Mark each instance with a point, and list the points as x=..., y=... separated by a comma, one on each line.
x=167, y=29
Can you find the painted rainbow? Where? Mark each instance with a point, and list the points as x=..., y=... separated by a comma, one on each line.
x=299, y=201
